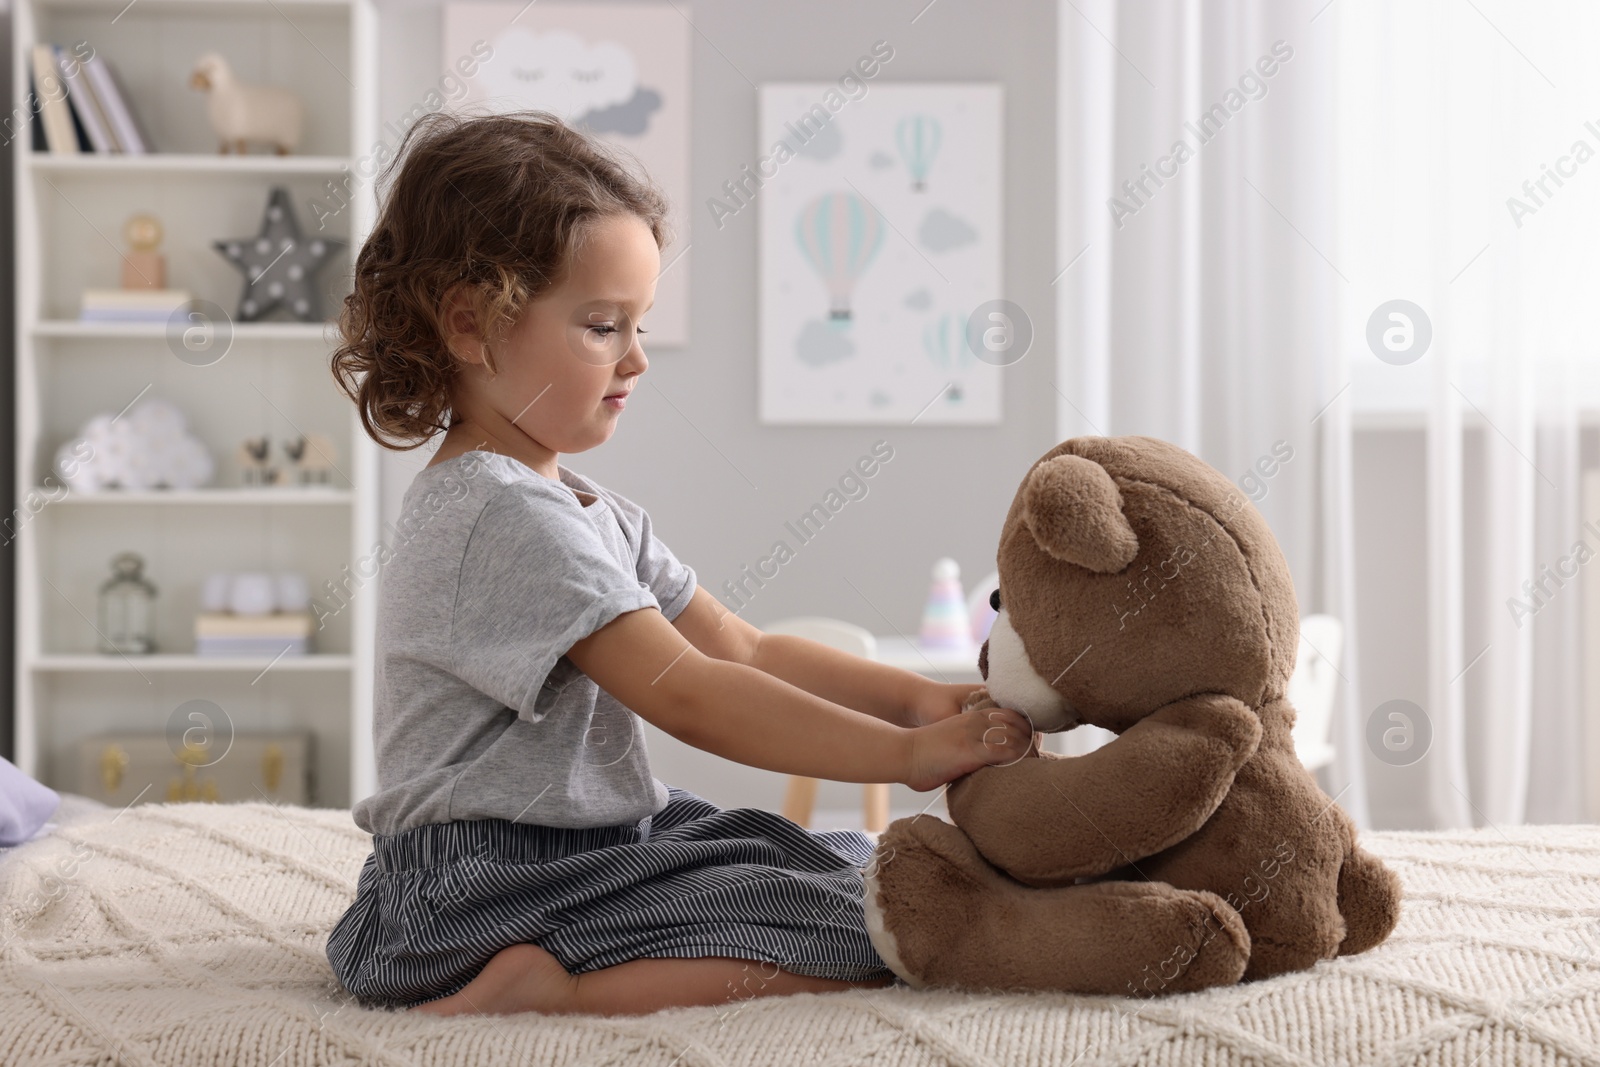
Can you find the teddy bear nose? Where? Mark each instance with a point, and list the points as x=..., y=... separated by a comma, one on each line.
x=983, y=660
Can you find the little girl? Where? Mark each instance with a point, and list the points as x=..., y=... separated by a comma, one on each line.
x=523, y=856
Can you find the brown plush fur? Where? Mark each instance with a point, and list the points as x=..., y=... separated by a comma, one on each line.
x=1194, y=849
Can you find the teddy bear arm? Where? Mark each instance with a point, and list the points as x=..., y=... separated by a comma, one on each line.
x=1048, y=821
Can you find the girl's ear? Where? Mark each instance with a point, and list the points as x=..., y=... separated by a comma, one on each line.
x=462, y=334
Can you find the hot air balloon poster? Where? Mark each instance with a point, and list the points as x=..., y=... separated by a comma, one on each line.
x=618, y=70
x=880, y=251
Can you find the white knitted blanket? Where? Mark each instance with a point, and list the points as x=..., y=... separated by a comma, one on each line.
x=193, y=934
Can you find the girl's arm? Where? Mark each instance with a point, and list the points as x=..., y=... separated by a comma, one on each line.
x=902, y=697
x=744, y=714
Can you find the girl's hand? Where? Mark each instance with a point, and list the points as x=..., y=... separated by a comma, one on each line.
x=936, y=701
x=960, y=744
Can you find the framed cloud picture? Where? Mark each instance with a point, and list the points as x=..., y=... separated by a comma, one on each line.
x=619, y=70
x=880, y=252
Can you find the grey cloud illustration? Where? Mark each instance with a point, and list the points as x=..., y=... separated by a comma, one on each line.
x=820, y=343
x=824, y=145
x=631, y=118
x=941, y=231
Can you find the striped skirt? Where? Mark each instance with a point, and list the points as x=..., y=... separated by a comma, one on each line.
x=434, y=903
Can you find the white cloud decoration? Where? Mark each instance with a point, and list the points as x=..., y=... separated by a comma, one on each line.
x=559, y=71
x=147, y=447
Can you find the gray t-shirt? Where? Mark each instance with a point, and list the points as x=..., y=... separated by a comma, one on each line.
x=478, y=713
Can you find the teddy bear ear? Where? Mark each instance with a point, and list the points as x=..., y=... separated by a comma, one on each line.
x=1074, y=510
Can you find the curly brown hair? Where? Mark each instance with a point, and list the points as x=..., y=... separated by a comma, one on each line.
x=498, y=203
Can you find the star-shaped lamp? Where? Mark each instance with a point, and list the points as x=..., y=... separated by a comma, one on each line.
x=279, y=268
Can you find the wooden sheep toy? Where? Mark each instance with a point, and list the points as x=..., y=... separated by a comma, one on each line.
x=241, y=113
x=253, y=465
x=313, y=456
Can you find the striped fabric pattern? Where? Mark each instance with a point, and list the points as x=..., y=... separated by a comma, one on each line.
x=435, y=903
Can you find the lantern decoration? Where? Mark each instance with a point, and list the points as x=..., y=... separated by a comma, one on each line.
x=127, y=608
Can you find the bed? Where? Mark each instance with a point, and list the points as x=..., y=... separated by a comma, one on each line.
x=193, y=934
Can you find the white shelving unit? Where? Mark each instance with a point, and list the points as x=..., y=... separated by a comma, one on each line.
x=274, y=380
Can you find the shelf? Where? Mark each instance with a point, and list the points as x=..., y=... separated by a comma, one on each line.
x=67, y=664
x=205, y=497
x=131, y=331
x=272, y=380
x=184, y=162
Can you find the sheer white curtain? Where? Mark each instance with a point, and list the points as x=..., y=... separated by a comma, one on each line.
x=1334, y=158
x=1467, y=184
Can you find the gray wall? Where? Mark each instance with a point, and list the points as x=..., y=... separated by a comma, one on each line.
x=946, y=490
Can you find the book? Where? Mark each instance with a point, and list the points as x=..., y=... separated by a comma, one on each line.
x=136, y=299
x=85, y=146
x=59, y=129
x=36, y=122
x=121, y=315
x=115, y=104
x=132, y=305
x=80, y=97
x=251, y=647
x=278, y=626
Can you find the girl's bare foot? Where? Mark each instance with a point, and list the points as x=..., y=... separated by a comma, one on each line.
x=527, y=978
x=518, y=978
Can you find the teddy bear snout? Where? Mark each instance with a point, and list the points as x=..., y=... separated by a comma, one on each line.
x=1013, y=683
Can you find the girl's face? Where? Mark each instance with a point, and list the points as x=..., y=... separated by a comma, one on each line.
x=565, y=368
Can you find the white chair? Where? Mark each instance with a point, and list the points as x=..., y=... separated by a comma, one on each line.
x=801, y=795
x=1313, y=686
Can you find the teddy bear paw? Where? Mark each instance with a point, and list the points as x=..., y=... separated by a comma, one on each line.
x=978, y=700
x=1206, y=941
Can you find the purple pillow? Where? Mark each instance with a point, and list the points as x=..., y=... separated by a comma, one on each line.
x=24, y=805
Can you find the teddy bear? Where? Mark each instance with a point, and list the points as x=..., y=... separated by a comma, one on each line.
x=1139, y=592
